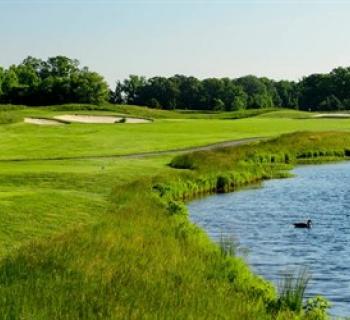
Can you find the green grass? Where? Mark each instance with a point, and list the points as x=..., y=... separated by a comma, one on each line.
x=27, y=141
x=110, y=249
x=290, y=114
x=110, y=238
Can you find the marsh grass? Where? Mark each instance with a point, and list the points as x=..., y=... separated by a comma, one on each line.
x=228, y=245
x=272, y=155
x=292, y=288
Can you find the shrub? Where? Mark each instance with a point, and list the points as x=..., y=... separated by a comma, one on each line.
x=316, y=308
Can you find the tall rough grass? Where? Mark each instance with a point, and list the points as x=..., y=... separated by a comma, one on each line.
x=287, y=149
x=143, y=259
x=292, y=289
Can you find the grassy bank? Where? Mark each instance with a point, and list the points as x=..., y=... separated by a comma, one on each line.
x=139, y=261
x=132, y=253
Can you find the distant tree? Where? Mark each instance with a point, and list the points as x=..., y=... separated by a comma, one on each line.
x=57, y=80
x=164, y=90
x=331, y=103
x=233, y=95
x=212, y=90
x=10, y=79
x=154, y=103
x=288, y=93
x=257, y=93
x=314, y=89
x=88, y=87
x=271, y=92
x=116, y=96
x=219, y=105
x=132, y=87
x=27, y=75
x=59, y=66
x=239, y=102
x=190, y=92
x=9, y=83
x=35, y=63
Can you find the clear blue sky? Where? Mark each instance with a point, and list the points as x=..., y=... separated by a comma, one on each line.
x=278, y=39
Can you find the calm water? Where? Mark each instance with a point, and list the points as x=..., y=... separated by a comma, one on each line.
x=261, y=218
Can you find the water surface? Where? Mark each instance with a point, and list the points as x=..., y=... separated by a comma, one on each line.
x=261, y=219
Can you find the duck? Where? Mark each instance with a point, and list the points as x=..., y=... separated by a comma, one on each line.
x=307, y=224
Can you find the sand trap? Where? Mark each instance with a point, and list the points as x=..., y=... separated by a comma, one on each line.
x=44, y=122
x=332, y=115
x=98, y=119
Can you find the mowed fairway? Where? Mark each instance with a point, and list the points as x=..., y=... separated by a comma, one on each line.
x=29, y=141
x=39, y=197
x=44, y=198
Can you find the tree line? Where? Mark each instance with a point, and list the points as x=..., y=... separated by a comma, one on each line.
x=57, y=80
x=317, y=92
x=61, y=80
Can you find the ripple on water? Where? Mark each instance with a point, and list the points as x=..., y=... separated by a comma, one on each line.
x=261, y=219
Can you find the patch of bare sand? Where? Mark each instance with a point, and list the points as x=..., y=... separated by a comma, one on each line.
x=40, y=121
x=332, y=115
x=99, y=119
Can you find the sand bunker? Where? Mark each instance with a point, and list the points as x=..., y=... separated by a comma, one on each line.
x=99, y=119
x=332, y=115
x=41, y=121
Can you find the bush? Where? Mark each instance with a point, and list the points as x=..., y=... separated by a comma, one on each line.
x=316, y=308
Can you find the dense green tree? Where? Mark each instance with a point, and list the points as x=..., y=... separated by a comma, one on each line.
x=10, y=80
x=233, y=95
x=331, y=103
x=257, y=92
x=27, y=76
x=57, y=80
x=159, y=91
x=190, y=92
x=314, y=89
x=219, y=105
x=116, y=96
x=132, y=87
x=88, y=87
x=211, y=91
x=60, y=66
x=288, y=93
x=61, y=80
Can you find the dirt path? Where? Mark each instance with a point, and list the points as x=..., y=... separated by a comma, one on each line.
x=231, y=143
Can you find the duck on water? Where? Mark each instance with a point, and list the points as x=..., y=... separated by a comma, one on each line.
x=306, y=225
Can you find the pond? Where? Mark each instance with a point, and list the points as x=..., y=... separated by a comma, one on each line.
x=261, y=219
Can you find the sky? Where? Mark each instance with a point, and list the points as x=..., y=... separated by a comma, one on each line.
x=278, y=39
